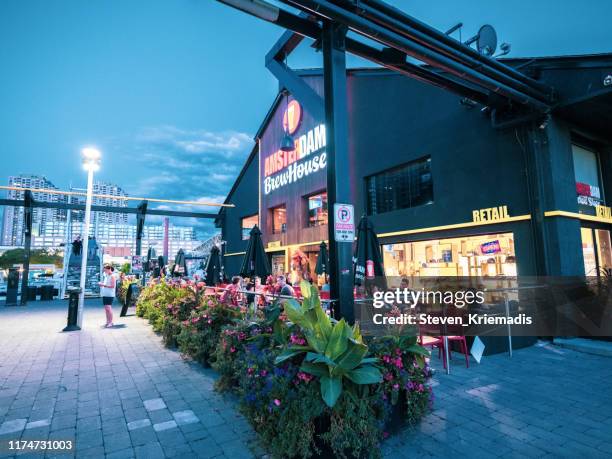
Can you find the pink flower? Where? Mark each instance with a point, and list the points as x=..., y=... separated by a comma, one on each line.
x=263, y=372
x=395, y=386
x=277, y=402
x=232, y=349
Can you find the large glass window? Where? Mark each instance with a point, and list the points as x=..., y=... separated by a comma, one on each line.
x=317, y=209
x=487, y=255
x=596, y=251
x=279, y=219
x=588, y=182
x=247, y=225
x=409, y=185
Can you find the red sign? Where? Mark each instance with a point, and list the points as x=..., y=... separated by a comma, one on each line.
x=490, y=247
x=292, y=117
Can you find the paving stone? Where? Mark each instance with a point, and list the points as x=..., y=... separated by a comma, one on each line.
x=139, y=424
x=14, y=425
x=159, y=427
x=154, y=404
x=150, y=451
x=185, y=417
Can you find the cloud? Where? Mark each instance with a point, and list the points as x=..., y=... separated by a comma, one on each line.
x=192, y=165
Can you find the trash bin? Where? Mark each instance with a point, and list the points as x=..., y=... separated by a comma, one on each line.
x=73, y=308
x=32, y=293
x=46, y=293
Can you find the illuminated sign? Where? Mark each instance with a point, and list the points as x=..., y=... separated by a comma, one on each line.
x=490, y=214
x=603, y=212
x=588, y=195
x=292, y=117
x=490, y=247
x=285, y=167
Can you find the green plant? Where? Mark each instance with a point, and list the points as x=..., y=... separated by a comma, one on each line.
x=334, y=350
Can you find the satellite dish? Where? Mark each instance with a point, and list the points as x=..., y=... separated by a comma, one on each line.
x=487, y=40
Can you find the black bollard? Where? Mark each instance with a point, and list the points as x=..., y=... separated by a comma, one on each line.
x=73, y=307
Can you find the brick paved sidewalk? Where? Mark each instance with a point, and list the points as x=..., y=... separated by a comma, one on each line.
x=119, y=393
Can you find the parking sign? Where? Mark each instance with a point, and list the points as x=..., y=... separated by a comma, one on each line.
x=344, y=223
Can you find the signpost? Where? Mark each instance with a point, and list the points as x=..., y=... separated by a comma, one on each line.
x=344, y=222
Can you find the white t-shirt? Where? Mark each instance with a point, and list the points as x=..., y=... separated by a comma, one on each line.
x=107, y=279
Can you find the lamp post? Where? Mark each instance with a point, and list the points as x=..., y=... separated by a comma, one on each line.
x=91, y=163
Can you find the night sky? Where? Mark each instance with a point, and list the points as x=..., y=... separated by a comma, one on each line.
x=172, y=91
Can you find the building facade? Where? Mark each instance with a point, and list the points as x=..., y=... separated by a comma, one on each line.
x=450, y=190
x=42, y=219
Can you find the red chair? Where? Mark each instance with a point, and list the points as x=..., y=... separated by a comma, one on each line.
x=462, y=345
x=434, y=341
x=324, y=295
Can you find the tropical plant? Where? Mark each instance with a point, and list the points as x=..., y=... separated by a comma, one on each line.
x=335, y=351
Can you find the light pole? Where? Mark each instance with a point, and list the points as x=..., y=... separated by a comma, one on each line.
x=91, y=163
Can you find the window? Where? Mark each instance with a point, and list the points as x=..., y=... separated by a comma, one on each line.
x=279, y=219
x=409, y=185
x=317, y=209
x=247, y=225
x=588, y=183
x=596, y=252
x=486, y=255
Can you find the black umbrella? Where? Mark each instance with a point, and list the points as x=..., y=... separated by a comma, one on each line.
x=160, y=265
x=367, y=259
x=255, y=261
x=180, y=264
x=213, y=267
x=150, y=258
x=322, y=260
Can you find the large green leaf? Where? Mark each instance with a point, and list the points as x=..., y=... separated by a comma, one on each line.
x=286, y=355
x=366, y=374
x=416, y=349
x=331, y=388
x=316, y=369
x=323, y=322
x=352, y=358
x=338, y=340
x=319, y=358
x=305, y=289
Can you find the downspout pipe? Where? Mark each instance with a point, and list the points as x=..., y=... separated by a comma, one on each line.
x=327, y=10
x=482, y=65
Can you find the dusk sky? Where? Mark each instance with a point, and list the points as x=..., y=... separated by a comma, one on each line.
x=172, y=91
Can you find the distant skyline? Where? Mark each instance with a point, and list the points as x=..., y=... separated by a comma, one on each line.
x=172, y=92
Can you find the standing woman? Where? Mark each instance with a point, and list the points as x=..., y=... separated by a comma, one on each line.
x=107, y=290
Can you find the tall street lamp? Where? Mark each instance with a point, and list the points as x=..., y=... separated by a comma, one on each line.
x=91, y=163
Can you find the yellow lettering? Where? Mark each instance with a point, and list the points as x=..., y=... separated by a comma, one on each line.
x=494, y=213
x=475, y=216
x=483, y=215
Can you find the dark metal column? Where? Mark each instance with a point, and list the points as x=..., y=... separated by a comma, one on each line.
x=140, y=221
x=338, y=180
x=28, y=202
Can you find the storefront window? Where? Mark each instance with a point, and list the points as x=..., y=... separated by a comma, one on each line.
x=588, y=183
x=247, y=225
x=278, y=264
x=409, y=185
x=317, y=209
x=279, y=219
x=596, y=251
x=487, y=255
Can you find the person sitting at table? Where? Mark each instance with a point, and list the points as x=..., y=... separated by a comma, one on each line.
x=283, y=287
x=232, y=294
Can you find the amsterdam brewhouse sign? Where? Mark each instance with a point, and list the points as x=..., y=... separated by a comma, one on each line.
x=282, y=168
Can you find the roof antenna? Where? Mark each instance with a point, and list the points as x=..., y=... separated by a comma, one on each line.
x=485, y=39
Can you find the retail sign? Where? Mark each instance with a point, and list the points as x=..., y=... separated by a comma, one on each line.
x=490, y=214
x=136, y=263
x=344, y=222
x=282, y=168
x=604, y=212
x=588, y=195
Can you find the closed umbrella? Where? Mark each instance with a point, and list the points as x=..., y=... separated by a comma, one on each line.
x=367, y=259
x=322, y=260
x=150, y=258
x=255, y=261
x=213, y=267
x=180, y=264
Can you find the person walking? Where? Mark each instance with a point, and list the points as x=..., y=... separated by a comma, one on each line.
x=107, y=291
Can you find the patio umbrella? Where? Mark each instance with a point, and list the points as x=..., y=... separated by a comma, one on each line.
x=213, y=267
x=367, y=259
x=322, y=260
x=255, y=261
x=150, y=257
x=180, y=264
